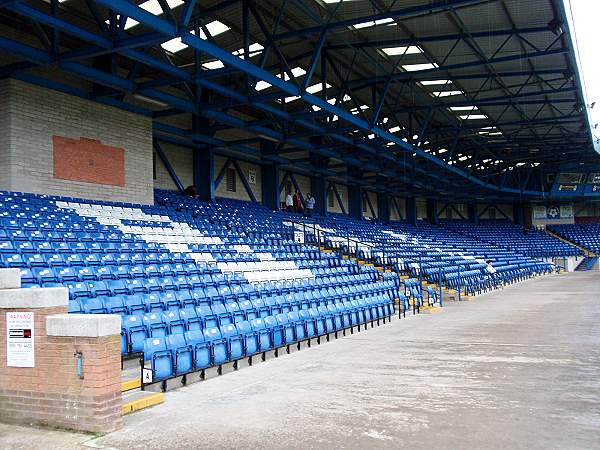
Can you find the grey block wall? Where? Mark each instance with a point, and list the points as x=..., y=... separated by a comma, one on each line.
x=30, y=116
x=182, y=161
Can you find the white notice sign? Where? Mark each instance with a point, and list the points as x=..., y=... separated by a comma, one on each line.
x=20, y=339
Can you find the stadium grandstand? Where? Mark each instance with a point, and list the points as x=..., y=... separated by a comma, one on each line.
x=298, y=224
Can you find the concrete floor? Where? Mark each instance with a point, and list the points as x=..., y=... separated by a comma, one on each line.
x=514, y=369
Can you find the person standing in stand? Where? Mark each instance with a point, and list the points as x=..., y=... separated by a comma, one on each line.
x=289, y=202
x=297, y=201
x=310, y=205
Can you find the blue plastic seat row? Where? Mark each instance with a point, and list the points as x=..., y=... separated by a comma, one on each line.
x=196, y=349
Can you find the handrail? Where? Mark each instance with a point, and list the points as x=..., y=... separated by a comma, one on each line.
x=319, y=232
x=347, y=237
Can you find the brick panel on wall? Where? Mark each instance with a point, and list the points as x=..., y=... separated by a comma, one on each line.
x=88, y=160
x=29, y=118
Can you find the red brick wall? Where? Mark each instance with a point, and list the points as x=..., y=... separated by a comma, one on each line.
x=51, y=393
x=88, y=160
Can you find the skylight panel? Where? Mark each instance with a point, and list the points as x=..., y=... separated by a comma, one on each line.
x=254, y=49
x=463, y=108
x=446, y=93
x=318, y=87
x=434, y=82
x=291, y=99
x=214, y=28
x=261, y=85
x=402, y=50
x=419, y=67
x=213, y=65
x=473, y=117
x=356, y=110
x=153, y=7
x=373, y=23
x=296, y=71
x=174, y=45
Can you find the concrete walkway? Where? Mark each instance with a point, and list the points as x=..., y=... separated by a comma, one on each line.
x=515, y=369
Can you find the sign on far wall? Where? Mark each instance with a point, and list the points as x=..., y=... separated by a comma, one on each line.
x=553, y=212
x=20, y=350
x=252, y=176
x=539, y=212
x=566, y=211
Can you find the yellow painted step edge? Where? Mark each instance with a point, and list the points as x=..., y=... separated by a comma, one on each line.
x=129, y=385
x=136, y=405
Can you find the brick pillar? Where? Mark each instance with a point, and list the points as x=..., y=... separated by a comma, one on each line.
x=52, y=392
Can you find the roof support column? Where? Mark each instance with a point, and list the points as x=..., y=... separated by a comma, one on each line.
x=411, y=210
x=472, y=213
x=203, y=167
x=355, y=201
x=518, y=214
x=318, y=186
x=383, y=207
x=270, y=179
x=432, y=216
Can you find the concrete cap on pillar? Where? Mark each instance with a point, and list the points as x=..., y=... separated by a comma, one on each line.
x=10, y=278
x=83, y=325
x=34, y=297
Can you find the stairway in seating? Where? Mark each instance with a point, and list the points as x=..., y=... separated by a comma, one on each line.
x=588, y=263
x=134, y=399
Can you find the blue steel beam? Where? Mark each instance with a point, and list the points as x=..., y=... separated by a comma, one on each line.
x=333, y=188
x=186, y=14
x=382, y=43
x=168, y=166
x=369, y=204
x=222, y=173
x=418, y=10
x=403, y=76
x=247, y=186
x=199, y=44
x=141, y=57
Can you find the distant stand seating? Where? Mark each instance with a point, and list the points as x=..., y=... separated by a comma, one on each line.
x=531, y=242
x=586, y=235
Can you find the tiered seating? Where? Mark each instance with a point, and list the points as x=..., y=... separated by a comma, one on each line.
x=187, y=273
x=586, y=235
x=531, y=242
x=423, y=251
